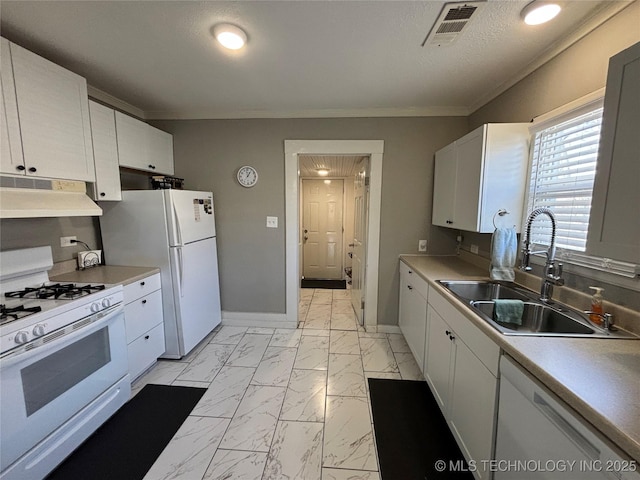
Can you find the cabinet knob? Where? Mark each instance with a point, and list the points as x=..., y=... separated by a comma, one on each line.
x=449, y=222
x=144, y=301
x=102, y=194
x=20, y=167
x=452, y=338
x=33, y=169
x=142, y=284
x=152, y=166
x=409, y=287
x=146, y=337
x=410, y=272
x=447, y=333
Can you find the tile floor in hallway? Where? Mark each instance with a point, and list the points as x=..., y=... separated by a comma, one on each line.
x=282, y=403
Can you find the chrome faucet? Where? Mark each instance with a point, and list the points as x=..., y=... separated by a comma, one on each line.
x=552, y=274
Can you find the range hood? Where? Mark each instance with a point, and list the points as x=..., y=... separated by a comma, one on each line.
x=31, y=198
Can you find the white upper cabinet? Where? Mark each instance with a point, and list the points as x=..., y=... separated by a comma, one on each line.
x=52, y=121
x=11, y=160
x=480, y=174
x=143, y=147
x=105, y=152
x=614, y=223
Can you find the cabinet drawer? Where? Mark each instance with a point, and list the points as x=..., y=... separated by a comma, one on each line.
x=143, y=314
x=414, y=280
x=141, y=288
x=144, y=351
x=481, y=345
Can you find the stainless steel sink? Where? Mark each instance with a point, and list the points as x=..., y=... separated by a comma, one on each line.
x=549, y=319
x=485, y=290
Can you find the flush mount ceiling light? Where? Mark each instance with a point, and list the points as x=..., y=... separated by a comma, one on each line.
x=230, y=36
x=323, y=172
x=538, y=12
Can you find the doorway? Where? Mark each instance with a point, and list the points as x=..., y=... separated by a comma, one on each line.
x=373, y=150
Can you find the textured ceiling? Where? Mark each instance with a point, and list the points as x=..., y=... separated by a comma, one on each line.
x=303, y=58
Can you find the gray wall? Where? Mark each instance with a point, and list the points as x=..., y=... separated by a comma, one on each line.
x=37, y=232
x=252, y=257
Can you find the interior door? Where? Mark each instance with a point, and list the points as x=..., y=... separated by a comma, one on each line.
x=358, y=262
x=322, y=202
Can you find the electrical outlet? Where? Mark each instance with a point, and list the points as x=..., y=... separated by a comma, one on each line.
x=422, y=245
x=66, y=241
x=474, y=249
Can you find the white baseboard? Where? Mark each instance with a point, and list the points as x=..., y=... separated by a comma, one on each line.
x=389, y=329
x=253, y=319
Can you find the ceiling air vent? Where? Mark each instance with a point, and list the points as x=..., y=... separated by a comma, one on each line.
x=453, y=18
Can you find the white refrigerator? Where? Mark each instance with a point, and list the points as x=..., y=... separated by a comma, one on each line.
x=175, y=231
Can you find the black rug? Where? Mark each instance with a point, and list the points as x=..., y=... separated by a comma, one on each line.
x=411, y=433
x=332, y=284
x=126, y=446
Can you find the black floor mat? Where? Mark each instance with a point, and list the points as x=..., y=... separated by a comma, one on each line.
x=332, y=284
x=412, y=436
x=128, y=444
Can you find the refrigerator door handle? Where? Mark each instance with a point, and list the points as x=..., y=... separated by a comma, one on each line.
x=180, y=272
x=177, y=224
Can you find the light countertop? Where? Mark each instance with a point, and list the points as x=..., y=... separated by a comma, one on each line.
x=599, y=378
x=107, y=274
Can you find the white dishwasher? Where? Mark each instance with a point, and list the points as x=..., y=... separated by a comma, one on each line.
x=538, y=437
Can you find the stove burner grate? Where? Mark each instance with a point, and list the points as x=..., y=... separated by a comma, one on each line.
x=10, y=314
x=57, y=291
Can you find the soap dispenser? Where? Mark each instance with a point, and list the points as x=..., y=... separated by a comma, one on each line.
x=596, y=305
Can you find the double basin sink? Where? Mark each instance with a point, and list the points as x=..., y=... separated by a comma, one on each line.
x=538, y=318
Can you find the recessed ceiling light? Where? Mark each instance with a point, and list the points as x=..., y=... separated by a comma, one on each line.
x=323, y=172
x=538, y=12
x=230, y=36
x=327, y=182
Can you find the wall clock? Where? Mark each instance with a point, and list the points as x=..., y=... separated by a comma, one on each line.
x=247, y=176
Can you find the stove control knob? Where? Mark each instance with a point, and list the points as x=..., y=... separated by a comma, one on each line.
x=106, y=303
x=21, y=337
x=95, y=307
x=38, y=330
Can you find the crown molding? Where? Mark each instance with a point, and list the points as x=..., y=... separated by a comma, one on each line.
x=114, y=102
x=320, y=113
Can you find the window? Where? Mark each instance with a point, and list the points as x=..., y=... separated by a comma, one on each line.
x=563, y=167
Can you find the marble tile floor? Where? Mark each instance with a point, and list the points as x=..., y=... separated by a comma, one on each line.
x=281, y=403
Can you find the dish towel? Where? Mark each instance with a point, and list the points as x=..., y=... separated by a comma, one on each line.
x=504, y=245
x=508, y=311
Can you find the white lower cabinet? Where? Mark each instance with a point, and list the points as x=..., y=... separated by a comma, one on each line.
x=413, y=311
x=461, y=367
x=144, y=323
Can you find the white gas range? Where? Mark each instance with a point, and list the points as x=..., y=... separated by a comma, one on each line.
x=63, y=362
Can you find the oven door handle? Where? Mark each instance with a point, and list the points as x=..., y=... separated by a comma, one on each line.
x=108, y=315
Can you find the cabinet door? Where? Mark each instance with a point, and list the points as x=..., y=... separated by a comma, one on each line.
x=470, y=153
x=54, y=118
x=11, y=160
x=105, y=152
x=444, y=186
x=416, y=323
x=160, y=151
x=614, y=230
x=132, y=142
x=439, y=359
x=473, y=405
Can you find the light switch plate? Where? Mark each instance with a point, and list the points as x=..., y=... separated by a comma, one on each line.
x=422, y=245
x=474, y=249
x=272, y=222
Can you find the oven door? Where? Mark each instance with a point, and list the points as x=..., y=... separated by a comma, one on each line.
x=44, y=387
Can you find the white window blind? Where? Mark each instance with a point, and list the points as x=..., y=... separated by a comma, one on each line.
x=563, y=168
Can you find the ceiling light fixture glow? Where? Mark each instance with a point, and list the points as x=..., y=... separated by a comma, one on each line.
x=230, y=36
x=538, y=12
x=323, y=172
